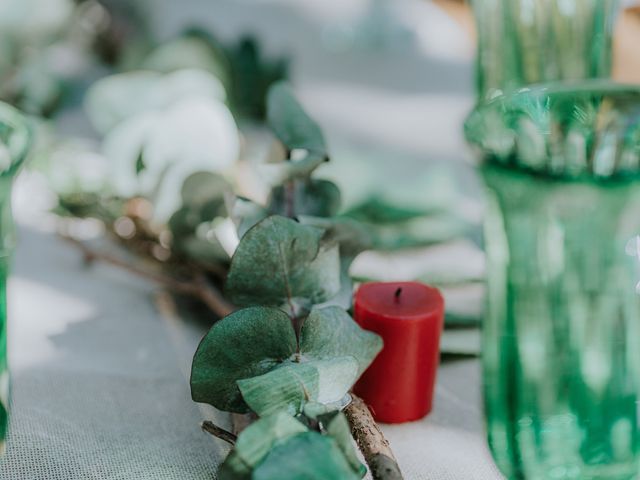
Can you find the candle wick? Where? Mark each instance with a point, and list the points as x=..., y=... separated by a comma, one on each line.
x=397, y=294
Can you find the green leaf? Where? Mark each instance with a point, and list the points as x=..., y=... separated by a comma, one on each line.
x=378, y=210
x=279, y=261
x=245, y=344
x=337, y=426
x=290, y=386
x=291, y=124
x=193, y=225
x=140, y=166
x=306, y=456
x=253, y=74
x=352, y=236
x=318, y=198
x=197, y=241
x=249, y=360
x=255, y=442
x=330, y=332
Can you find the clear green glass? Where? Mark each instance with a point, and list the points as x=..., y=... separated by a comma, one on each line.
x=15, y=140
x=561, y=336
x=521, y=42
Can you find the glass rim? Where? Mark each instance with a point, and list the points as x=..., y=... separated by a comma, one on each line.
x=551, y=89
x=482, y=120
x=22, y=134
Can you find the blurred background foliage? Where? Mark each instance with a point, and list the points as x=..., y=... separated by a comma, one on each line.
x=162, y=141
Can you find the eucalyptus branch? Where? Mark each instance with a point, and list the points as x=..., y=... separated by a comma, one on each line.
x=372, y=442
x=219, y=432
x=198, y=287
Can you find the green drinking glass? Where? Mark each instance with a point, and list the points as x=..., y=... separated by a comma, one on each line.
x=521, y=42
x=15, y=141
x=561, y=334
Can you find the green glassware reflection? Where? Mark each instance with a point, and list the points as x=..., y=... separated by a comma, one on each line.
x=561, y=336
x=521, y=42
x=15, y=140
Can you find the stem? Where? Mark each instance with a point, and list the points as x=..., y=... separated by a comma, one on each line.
x=198, y=288
x=219, y=432
x=289, y=191
x=371, y=441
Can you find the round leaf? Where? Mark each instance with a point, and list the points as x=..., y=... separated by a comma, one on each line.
x=290, y=122
x=255, y=442
x=290, y=386
x=318, y=198
x=279, y=261
x=330, y=332
x=306, y=456
x=245, y=344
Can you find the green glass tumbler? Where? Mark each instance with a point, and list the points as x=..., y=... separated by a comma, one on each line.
x=15, y=141
x=521, y=42
x=561, y=335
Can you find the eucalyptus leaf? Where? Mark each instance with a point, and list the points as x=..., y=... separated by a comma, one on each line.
x=291, y=124
x=377, y=210
x=306, y=456
x=253, y=75
x=290, y=386
x=281, y=262
x=193, y=226
x=330, y=332
x=252, y=353
x=334, y=352
x=354, y=237
x=337, y=426
x=245, y=344
x=255, y=442
x=197, y=241
x=319, y=198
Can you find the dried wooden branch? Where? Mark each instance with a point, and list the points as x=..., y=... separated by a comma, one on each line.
x=219, y=432
x=371, y=441
x=198, y=287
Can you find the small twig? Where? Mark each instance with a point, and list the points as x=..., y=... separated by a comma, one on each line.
x=199, y=288
x=219, y=432
x=371, y=441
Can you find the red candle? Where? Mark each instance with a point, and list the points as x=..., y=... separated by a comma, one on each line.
x=409, y=316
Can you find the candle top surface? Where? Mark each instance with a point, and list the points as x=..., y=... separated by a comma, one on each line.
x=400, y=299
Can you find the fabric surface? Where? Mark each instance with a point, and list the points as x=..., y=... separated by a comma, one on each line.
x=100, y=387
